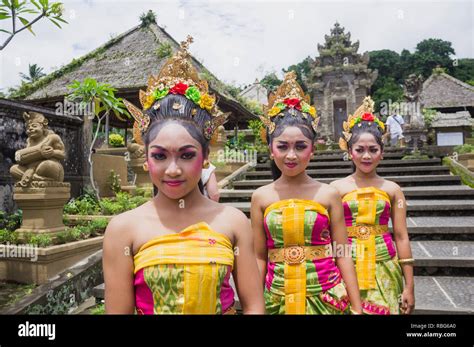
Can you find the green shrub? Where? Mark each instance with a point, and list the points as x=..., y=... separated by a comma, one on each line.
x=116, y=140
x=138, y=200
x=428, y=116
x=467, y=177
x=11, y=221
x=146, y=193
x=164, y=50
x=464, y=149
x=84, y=205
x=82, y=232
x=64, y=236
x=42, y=240
x=114, y=182
x=8, y=236
x=99, y=309
x=98, y=225
x=110, y=207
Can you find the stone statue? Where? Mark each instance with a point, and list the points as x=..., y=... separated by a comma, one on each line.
x=136, y=150
x=413, y=87
x=40, y=160
x=415, y=131
x=411, y=91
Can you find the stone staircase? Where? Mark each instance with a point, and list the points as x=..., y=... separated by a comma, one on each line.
x=440, y=222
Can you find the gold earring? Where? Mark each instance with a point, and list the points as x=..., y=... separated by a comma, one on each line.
x=272, y=157
x=205, y=164
x=145, y=166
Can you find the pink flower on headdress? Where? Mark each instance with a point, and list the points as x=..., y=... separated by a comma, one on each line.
x=179, y=88
x=293, y=103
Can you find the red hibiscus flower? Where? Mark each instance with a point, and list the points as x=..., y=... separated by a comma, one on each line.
x=179, y=88
x=293, y=103
x=368, y=117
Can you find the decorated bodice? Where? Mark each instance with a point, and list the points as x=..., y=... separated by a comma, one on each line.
x=184, y=273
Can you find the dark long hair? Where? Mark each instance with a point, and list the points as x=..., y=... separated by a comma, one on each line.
x=166, y=113
x=295, y=119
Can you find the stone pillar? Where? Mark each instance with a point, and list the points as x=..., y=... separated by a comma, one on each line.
x=42, y=207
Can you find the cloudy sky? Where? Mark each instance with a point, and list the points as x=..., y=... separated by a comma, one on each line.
x=241, y=40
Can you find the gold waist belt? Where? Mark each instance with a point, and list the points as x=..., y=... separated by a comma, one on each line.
x=363, y=232
x=298, y=254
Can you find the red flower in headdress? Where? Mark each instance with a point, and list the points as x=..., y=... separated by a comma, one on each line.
x=368, y=117
x=293, y=103
x=179, y=88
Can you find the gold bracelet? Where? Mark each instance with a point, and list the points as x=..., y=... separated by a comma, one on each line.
x=406, y=261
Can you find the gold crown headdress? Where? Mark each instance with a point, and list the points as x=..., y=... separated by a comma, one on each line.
x=363, y=113
x=177, y=76
x=291, y=96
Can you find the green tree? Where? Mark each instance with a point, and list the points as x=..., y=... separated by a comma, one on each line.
x=271, y=81
x=35, y=72
x=17, y=10
x=431, y=53
x=102, y=96
x=464, y=70
x=302, y=70
x=387, y=63
x=388, y=92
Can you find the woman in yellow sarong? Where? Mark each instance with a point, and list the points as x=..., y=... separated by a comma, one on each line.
x=175, y=253
x=369, y=202
x=299, y=233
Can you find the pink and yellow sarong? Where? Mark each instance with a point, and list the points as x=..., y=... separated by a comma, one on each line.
x=367, y=213
x=311, y=284
x=185, y=273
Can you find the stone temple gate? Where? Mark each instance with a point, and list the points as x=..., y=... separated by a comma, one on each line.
x=339, y=80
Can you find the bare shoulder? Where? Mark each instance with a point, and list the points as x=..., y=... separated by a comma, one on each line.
x=392, y=188
x=329, y=190
x=234, y=215
x=338, y=184
x=258, y=196
x=234, y=220
x=261, y=191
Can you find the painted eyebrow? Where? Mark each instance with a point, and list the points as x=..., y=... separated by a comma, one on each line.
x=179, y=150
x=297, y=142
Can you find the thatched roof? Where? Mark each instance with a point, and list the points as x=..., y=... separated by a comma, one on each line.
x=458, y=119
x=441, y=90
x=125, y=62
